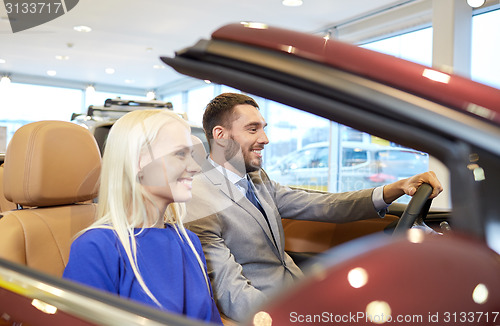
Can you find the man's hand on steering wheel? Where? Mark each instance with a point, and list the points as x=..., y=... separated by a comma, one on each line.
x=410, y=185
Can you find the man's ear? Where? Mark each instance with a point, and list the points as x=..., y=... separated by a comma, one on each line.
x=219, y=132
x=220, y=135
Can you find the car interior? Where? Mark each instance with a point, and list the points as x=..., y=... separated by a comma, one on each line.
x=52, y=172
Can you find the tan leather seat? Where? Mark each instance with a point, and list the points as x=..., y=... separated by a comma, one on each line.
x=316, y=237
x=5, y=205
x=51, y=167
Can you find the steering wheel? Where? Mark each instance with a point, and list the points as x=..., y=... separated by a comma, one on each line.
x=417, y=209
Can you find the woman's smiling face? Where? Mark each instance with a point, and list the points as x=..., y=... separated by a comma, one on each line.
x=167, y=166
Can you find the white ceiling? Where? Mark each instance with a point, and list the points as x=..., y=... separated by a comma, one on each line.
x=131, y=35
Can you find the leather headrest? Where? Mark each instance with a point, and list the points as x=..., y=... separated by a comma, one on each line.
x=51, y=163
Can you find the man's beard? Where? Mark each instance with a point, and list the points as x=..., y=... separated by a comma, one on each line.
x=231, y=152
x=249, y=166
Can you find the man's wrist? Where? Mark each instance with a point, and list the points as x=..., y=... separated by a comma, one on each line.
x=393, y=191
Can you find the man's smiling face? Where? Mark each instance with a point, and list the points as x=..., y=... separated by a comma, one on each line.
x=247, y=129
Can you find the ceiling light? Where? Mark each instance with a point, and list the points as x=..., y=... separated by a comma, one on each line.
x=5, y=80
x=109, y=71
x=151, y=96
x=158, y=67
x=62, y=57
x=90, y=89
x=2, y=61
x=129, y=81
x=82, y=28
x=328, y=35
x=476, y=3
x=292, y=3
x=51, y=72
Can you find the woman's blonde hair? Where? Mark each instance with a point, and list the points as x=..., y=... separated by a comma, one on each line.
x=123, y=201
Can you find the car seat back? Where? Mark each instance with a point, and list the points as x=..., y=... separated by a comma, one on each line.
x=52, y=167
x=5, y=205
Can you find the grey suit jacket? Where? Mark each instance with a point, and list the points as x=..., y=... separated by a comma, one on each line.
x=244, y=263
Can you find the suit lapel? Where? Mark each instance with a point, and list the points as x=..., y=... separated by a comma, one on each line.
x=228, y=189
x=265, y=200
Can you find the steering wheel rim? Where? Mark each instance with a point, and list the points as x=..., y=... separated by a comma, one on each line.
x=418, y=207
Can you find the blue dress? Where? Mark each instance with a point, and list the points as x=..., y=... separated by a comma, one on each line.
x=166, y=263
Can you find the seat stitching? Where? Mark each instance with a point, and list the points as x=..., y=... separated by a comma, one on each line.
x=41, y=217
x=20, y=221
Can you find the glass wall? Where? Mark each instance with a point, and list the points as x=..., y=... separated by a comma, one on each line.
x=485, y=63
x=177, y=102
x=22, y=103
x=297, y=153
x=310, y=152
x=197, y=100
x=415, y=46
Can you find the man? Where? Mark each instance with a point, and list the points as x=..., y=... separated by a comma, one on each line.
x=244, y=241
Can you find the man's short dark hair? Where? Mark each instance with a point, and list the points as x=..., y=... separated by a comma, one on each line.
x=219, y=112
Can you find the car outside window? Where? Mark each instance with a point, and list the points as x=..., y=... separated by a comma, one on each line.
x=310, y=153
x=353, y=156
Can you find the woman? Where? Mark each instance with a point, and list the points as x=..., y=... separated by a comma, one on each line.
x=138, y=247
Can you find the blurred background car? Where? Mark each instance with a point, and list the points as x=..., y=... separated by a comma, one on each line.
x=359, y=166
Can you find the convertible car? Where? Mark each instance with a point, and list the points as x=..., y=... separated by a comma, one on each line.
x=398, y=275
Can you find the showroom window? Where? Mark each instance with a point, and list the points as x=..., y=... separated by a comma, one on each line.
x=197, y=100
x=177, y=101
x=290, y=130
x=43, y=103
x=485, y=66
x=414, y=46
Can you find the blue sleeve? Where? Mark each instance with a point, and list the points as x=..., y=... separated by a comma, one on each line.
x=94, y=260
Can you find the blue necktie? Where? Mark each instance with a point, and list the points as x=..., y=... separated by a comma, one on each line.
x=250, y=194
